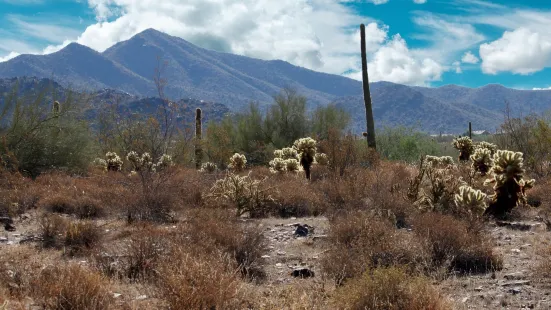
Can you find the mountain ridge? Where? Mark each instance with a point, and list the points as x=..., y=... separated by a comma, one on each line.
x=235, y=80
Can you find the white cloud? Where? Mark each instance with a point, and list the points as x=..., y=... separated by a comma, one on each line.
x=548, y=88
x=420, y=1
x=395, y=62
x=457, y=66
x=469, y=58
x=9, y=56
x=520, y=51
x=447, y=39
x=524, y=46
x=42, y=29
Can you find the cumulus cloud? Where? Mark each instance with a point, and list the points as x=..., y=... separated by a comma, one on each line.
x=548, y=88
x=9, y=56
x=521, y=51
x=395, y=62
x=469, y=58
x=420, y=1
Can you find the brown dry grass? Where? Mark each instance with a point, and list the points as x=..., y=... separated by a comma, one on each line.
x=455, y=244
x=389, y=288
x=360, y=241
x=72, y=287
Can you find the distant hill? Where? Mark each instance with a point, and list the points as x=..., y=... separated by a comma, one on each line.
x=233, y=81
x=105, y=97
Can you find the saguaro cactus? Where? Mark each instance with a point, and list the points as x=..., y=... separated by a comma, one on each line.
x=198, y=138
x=56, y=108
x=370, y=124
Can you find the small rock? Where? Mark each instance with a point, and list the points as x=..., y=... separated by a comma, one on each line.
x=515, y=276
x=302, y=273
x=478, y=289
x=265, y=256
x=279, y=265
x=116, y=295
x=515, y=291
x=464, y=300
x=3, y=239
x=141, y=297
x=515, y=283
x=303, y=230
x=515, y=250
x=281, y=252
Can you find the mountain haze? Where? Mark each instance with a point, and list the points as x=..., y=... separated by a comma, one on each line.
x=196, y=73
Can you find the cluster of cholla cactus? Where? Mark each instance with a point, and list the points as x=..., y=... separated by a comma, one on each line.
x=435, y=185
x=321, y=159
x=470, y=199
x=486, y=145
x=509, y=184
x=114, y=162
x=286, y=159
x=465, y=147
x=439, y=162
x=144, y=163
x=482, y=160
x=306, y=149
x=238, y=162
x=246, y=194
x=208, y=167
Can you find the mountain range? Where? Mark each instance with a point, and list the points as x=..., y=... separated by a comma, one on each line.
x=232, y=81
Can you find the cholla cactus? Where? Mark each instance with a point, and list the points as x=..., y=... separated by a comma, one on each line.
x=237, y=162
x=114, y=162
x=285, y=160
x=439, y=162
x=164, y=162
x=306, y=148
x=509, y=185
x=245, y=193
x=100, y=163
x=288, y=153
x=321, y=159
x=293, y=165
x=145, y=162
x=486, y=145
x=482, y=160
x=465, y=147
x=278, y=165
x=471, y=199
x=208, y=167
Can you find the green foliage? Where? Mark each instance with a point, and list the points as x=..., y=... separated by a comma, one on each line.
x=328, y=117
x=39, y=135
x=405, y=144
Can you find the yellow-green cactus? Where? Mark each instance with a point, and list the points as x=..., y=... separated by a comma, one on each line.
x=114, y=162
x=509, y=185
x=238, y=162
x=321, y=159
x=482, y=160
x=306, y=148
x=439, y=162
x=486, y=145
x=208, y=167
x=465, y=147
x=471, y=199
x=278, y=165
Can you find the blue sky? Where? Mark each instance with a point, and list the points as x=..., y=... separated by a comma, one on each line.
x=414, y=42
